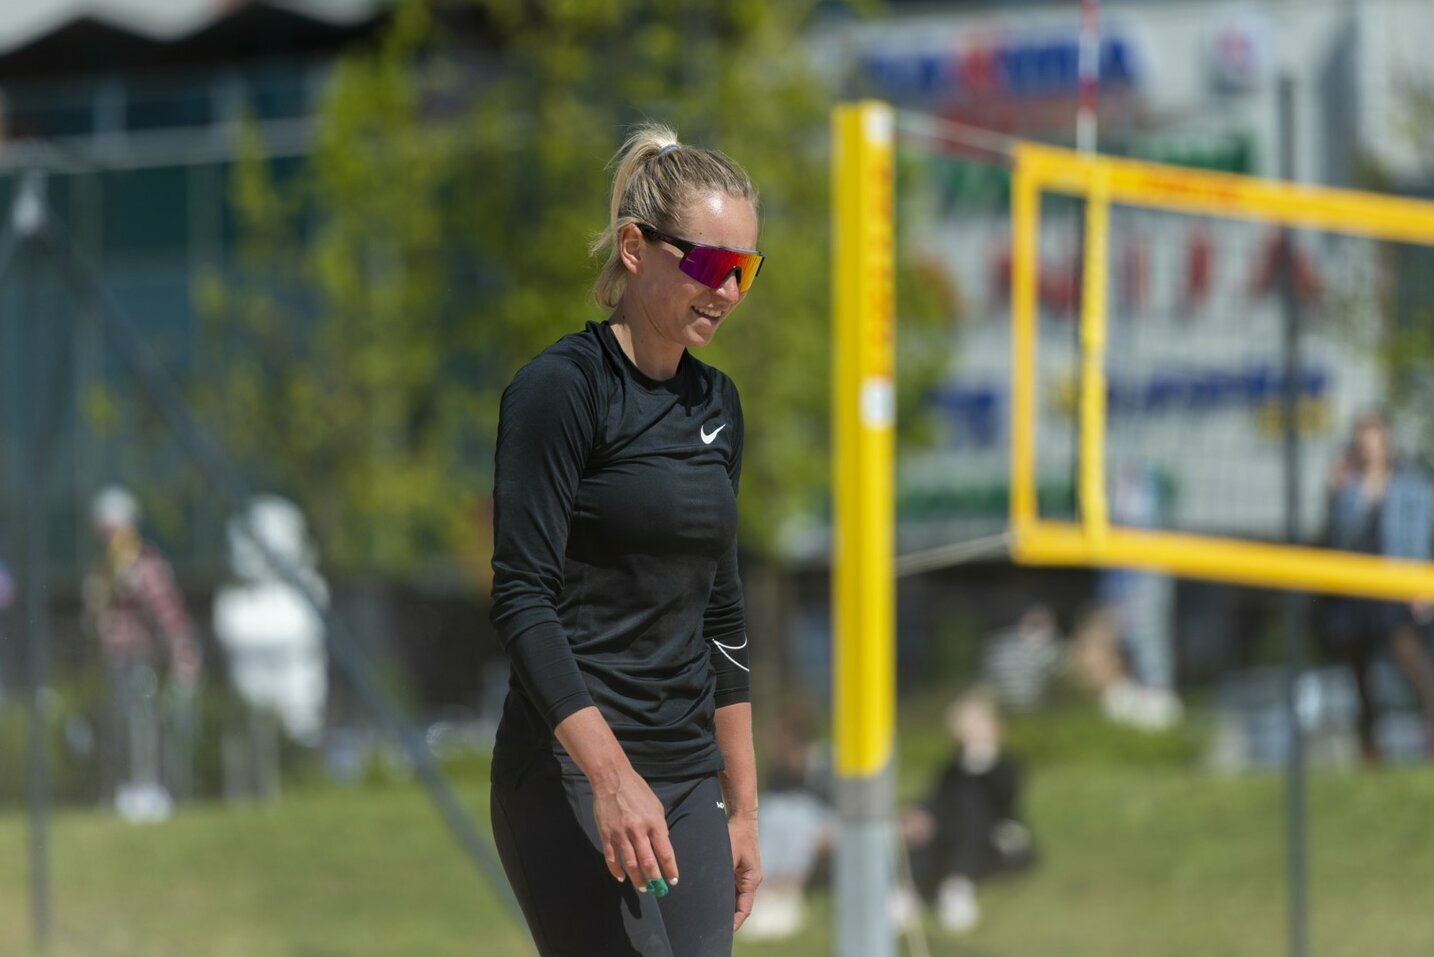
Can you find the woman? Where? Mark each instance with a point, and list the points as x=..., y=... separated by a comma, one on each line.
x=623, y=770
x=1380, y=507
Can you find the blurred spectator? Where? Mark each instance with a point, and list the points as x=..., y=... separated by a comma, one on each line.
x=969, y=828
x=798, y=824
x=136, y=611
x=1379, y=505
x=1020, y=661
x=1097, y=664
x=1095, y=661
x=273, y=638
x=1138, y=606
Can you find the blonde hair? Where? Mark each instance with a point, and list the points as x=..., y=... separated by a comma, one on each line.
x=656, y=178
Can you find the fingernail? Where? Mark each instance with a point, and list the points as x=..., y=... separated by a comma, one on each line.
x=673, y=882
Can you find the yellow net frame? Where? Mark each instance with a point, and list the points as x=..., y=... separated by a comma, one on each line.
x=1092, y=540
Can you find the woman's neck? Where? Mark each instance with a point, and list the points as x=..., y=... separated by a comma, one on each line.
x=654, y=357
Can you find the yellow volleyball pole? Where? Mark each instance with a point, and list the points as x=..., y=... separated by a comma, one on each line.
x=863, y=561
x=1025, y=233
x=1095, y=515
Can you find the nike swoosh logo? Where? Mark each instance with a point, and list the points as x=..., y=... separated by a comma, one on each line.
x=728, y=648
x=707, y=439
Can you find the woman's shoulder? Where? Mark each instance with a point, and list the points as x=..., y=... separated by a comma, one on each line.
x=563, y=380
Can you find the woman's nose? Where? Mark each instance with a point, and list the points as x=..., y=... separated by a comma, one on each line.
x=729, y=289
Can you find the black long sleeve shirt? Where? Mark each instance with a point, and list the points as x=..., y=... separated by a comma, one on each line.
x=615, y=553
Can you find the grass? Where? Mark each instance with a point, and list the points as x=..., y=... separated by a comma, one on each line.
x=322, y=874
x=1149, y=858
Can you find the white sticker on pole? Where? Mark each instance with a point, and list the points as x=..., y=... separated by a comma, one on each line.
x=878, y=402
x=878, y=124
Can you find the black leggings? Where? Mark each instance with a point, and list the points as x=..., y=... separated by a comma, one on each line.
x=547, y=839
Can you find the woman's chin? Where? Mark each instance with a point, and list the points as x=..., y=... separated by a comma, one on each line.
x=701, y=330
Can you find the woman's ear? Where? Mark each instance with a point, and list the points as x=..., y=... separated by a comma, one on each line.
x=630, y=248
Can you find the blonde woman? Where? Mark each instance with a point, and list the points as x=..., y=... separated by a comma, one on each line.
x=624, y=785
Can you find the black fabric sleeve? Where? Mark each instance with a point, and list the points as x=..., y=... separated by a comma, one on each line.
x=725, y=623
x=546, y=425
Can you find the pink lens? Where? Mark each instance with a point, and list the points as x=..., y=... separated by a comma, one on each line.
x=711, y=265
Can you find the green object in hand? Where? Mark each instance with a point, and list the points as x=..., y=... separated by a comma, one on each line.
x=657, y=886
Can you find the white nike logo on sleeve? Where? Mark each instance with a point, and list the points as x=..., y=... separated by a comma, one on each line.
x=707, y=439
x=727, y=648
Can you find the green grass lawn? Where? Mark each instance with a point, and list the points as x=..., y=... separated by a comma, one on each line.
x=1149, y=860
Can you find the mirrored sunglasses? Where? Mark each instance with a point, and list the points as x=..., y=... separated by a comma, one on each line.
x=711, y=265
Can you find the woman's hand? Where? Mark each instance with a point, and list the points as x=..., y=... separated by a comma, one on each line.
x=746, y=863
x=633, y=829
x=630, y=820
x=739, y=793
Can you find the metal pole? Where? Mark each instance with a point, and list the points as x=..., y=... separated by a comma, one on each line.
x=1088, y=73
x=27, y=217
x=863, y=560
x=1296, y=784
x=1093, y=240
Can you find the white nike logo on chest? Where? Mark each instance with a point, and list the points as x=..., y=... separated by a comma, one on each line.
x=706, y=438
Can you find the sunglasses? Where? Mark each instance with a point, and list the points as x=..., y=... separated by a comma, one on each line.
x=711, y=265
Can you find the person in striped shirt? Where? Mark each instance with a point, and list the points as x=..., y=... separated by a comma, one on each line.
x=138, y=616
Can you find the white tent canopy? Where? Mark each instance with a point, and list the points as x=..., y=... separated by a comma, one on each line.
x=24, y=21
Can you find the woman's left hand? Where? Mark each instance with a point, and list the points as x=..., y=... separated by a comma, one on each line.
x=746, y=863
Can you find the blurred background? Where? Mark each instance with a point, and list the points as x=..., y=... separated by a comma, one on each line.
x=268, y=265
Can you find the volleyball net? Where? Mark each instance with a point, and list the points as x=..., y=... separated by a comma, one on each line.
x=1159, y=366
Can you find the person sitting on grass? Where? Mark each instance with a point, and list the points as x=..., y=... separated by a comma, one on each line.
x=969, y=826
x=799, y=824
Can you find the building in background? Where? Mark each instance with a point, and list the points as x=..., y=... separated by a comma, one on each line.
x=133, y=107
x=134, y=103
x=1196, y=344
x=139, y=101
x=1195, y=352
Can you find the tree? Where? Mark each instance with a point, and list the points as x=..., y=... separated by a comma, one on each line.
x=437, y=240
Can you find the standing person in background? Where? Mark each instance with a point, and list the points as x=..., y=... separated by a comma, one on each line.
x=1140, y=606
x=624, y=753
x=1379, y=505
x=273, y=641
x=136, y=611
